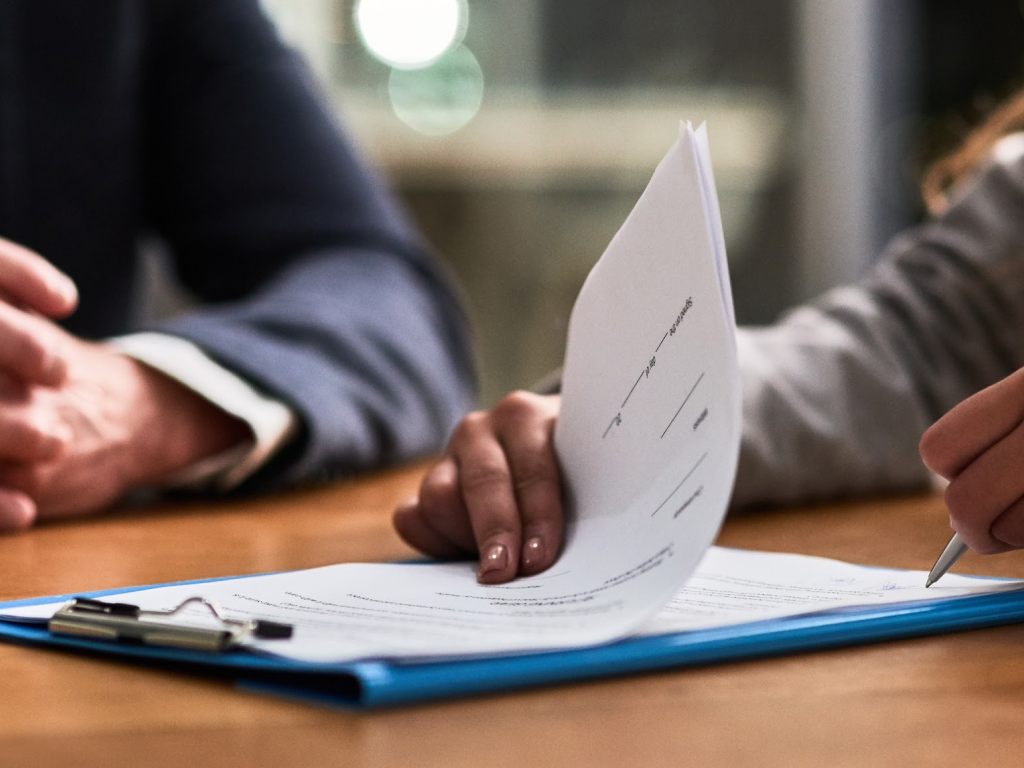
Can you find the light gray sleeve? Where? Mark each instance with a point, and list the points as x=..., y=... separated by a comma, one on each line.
x=838, y=393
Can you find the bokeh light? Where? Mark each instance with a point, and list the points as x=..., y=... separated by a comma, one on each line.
x=441, y=98
x=410, y=34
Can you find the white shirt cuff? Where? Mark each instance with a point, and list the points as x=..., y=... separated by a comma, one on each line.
x=272, y=423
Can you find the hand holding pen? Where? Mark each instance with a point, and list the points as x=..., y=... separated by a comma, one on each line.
x=979, y=447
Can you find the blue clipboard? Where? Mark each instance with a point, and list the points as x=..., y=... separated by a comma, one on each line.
x=371, y=684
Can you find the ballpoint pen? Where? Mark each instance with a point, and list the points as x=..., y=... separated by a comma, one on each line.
x=950, y=555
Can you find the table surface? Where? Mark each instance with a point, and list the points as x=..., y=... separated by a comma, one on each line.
x=949, y=700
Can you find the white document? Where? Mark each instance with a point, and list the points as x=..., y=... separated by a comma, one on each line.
x=648, y=438
x=348, y=612
x=733, y=586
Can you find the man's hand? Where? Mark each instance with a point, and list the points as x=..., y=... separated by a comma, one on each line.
x=80, y=424
x=497, y=491
x=979, y=447
x=112, y=425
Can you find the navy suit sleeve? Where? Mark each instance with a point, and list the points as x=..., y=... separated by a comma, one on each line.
x=316, y=288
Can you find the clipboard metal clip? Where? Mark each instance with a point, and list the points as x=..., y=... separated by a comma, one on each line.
x=99, y=620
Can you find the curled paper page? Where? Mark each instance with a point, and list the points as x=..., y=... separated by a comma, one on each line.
x=647, y=439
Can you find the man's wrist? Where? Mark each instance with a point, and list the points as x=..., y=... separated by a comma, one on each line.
x=271, y=423
x=184, y=427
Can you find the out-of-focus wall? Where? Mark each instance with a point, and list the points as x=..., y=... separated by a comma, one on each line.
x=521, y=149
x=521, y=132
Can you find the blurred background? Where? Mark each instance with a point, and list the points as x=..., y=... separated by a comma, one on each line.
x=521, y=132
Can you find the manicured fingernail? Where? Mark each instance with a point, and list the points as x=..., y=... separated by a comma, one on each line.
x=494, y=558
x=533, y=551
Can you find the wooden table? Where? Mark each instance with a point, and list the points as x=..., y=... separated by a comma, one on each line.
x=952, y=700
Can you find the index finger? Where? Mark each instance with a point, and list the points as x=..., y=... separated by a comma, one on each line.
x=972, y=427
x=524, y=423
x=29, y=280
x=486, y=484
x=984, y=497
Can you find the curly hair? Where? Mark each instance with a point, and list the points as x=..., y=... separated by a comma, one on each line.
x=955, y=167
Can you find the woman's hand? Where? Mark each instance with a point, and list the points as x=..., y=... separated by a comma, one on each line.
x=979, y=447
x=496, y=491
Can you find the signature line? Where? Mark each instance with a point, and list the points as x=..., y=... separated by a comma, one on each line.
x=684, y=403
x=631, y=391
x=680, y=484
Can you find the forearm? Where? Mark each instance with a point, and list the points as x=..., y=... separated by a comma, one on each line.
x=838, y=394
x=368, y=352
x=318, y=291
x=825, y=414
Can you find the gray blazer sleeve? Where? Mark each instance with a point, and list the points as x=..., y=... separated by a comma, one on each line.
x=838, y=393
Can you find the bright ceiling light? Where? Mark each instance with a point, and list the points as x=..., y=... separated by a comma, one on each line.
x=410, y=34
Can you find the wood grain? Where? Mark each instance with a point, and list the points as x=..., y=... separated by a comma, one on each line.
x=950, y=700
